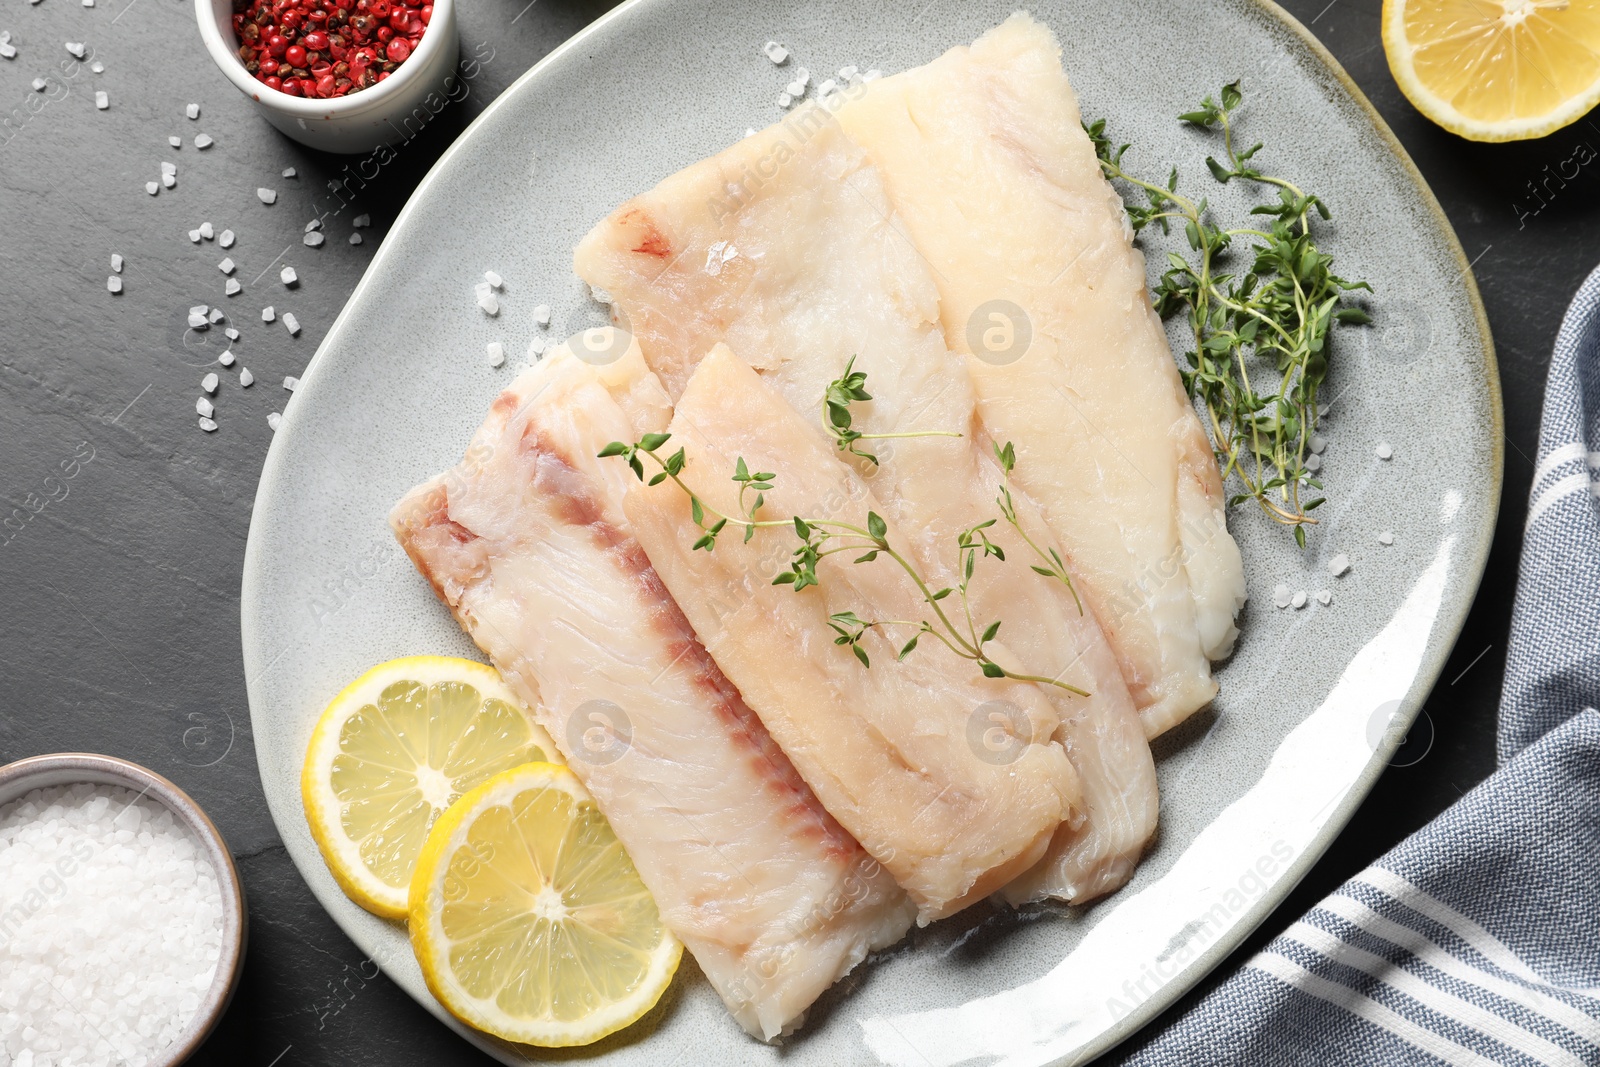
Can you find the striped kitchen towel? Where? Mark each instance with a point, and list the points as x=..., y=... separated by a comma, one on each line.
x=1477, y=940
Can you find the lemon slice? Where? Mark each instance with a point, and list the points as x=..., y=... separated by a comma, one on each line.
x=1496, y=70
x=392, y=752
x=528, y=918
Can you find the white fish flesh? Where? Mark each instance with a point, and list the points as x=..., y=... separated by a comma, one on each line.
x=526, y=542
x=985, y=162
x=802, y=270
x=893, y=751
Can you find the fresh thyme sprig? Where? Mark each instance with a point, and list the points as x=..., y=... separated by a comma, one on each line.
x=821, y=538
x=1052, y=566
x=846, y=390
x=1279, y=312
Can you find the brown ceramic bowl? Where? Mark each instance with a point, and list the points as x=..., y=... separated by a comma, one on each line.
x=71, y=768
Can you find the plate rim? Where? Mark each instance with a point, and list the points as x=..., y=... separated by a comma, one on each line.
x=1428, y=672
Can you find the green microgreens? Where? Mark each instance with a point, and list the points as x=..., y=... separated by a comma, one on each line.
x=846, y=390
x=1279, y=312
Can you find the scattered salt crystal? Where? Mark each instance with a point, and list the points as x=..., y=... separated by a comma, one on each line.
x=803, y=76
x=1384, y=451
x=784, y=99
x=175, y=142
x=497, y=353
x=204, y=407
x=361, y=220
x=198, y=321
x=169, y=180
x=749, y=131
x=313, y=239
x=541, y=314
x=827, y=87
x=1323, y=409
x=168, y=168
x=267, y=314
x=5, y=36
x=38, y=85
x=227, y=358
x=193, y=111
x=152, y=188
x=1313, y=463
x=848, y=73
x=1281, y=596
x=232, y=288
x=206, y=231
x=203, y=141
x=795, y=89
x=1339, y=565
x=1386, y=538
x=1317, y=443
x=482, y=289
x=97, y=66
x=1324, y=597
x=116, y=262
x=355, y=238
x=535, y=348
x=776, y=52
x=274, y=420
x=113, y=283
x=494, y=279
x=246, y=379
x=233, y=335
x=292, y=324
x=194, y=235
x=200, y=309
x=488, y=303
x=216, y=316
x=101, y=100
x=291, y=383
x=267, y=195
x=288, y=172
x=288, y=277
x=208, y=426
x=8, y=50
x=226, y=266
x=314, y=224
x=76, y=48
x=225, y=239
x=1299, y=600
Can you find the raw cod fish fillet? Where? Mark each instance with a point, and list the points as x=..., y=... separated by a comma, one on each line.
x=984, y=158
x=526, y=542
x=797, y=273
x=890, y=750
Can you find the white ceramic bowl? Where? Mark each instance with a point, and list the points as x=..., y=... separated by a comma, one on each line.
x=71, y=768
x=360, y=122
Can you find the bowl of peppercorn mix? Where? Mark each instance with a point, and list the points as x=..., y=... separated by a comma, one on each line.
x=338, y=75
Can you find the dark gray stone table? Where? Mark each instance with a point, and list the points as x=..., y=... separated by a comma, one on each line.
x=120, y=624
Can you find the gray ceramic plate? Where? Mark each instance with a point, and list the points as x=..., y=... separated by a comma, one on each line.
x=1312, y=706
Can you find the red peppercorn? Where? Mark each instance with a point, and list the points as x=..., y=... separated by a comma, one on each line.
x=290, y=87
x=385, y=34
x=327, y=48
x=295, y=55
x=315, y=41
x=278, y=44
x=427, y=14
x=399, y=49
x=268, y=66
x=273, y=83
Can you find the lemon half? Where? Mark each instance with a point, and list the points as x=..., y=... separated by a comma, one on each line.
x=529, y=920
x=1496, y=70
x=392, y=752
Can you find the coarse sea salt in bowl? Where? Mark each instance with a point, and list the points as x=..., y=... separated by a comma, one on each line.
x=122, y=918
